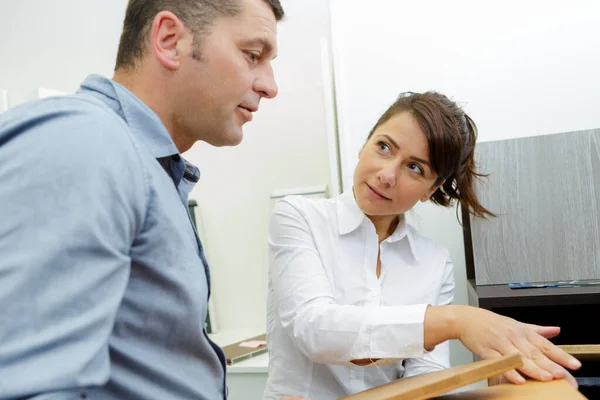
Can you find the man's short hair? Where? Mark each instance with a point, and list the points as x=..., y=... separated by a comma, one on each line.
x=197, y=15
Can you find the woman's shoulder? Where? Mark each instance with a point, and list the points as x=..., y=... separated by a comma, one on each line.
x=425, y=245
x=305, y=203
x=312, y=209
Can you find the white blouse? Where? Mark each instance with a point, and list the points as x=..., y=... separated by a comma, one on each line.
x=327, y=307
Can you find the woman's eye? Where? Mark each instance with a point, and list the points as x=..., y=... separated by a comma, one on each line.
x=416, y=168
x=383, y=146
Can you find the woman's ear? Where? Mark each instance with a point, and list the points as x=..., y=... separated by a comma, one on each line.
x=432, y=191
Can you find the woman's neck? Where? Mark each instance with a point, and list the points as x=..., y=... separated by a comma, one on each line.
x=384, y=225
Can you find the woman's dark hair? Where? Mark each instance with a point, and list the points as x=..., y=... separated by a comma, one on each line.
x=451, y=134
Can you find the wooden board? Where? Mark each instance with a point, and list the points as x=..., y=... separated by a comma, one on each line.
x=532, y=390
x=583, y=351
x=433, y=384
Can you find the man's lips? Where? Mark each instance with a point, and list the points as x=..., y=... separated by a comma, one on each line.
x=249, y=107
x=246, y=112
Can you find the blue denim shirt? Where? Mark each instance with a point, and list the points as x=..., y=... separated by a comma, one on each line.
x=103, y=281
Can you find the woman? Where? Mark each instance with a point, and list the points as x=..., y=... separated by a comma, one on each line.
x=351, y=284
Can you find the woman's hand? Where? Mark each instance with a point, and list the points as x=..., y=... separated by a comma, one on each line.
x=490, y=335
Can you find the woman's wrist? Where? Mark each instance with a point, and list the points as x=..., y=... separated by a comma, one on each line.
x=441, y=324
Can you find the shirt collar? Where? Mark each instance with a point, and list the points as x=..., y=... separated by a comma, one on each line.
x=143, y=122
x=350, y=217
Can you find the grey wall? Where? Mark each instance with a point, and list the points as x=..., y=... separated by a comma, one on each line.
x=546, y=192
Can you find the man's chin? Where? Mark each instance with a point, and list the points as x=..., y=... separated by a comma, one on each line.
x=235, y=138
x=228, y=138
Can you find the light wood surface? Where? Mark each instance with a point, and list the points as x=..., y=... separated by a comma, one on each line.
x=426, y=386
x=532, y=390
x=583, y=351
x=546, y=192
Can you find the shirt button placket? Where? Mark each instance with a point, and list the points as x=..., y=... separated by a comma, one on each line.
x=375, y=296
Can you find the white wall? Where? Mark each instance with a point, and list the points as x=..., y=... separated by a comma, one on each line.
x=56, y=44
x=285, y=146
x=521, y=68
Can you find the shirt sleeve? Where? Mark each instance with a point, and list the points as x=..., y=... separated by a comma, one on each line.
x=71, y=202
x=439, y=357
x=324, y=331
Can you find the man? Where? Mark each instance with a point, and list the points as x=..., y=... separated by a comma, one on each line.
x=103, y=281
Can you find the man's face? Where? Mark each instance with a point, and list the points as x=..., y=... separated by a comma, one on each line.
x=219, y=92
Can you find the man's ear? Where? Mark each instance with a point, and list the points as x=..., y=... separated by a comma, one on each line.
x=167, y=38
x=432, y=191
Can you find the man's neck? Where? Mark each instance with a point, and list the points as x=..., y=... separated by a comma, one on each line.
x=151, y=95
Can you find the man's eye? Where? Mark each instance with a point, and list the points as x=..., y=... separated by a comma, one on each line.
x=252, y=57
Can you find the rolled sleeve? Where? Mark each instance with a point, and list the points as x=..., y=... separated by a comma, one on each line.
x=397, y=332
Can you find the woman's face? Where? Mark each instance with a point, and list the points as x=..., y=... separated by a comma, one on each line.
x=393, y=171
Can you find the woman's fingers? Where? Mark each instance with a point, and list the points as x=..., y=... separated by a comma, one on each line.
x=546, y=354
x=490, y=335
x=546, y=331
x=557, y=360
x=514, y=377
x=571, y=379
x=537, y=366
x=542, y=360
x=556, y=354
x=511, y=376
x=535, y=363
x=566, y=375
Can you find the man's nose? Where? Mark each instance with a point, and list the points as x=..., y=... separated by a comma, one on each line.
x=265, y=84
